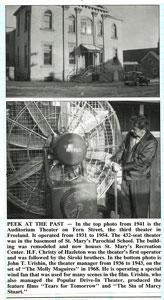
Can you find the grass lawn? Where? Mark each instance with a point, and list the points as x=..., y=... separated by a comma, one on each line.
x=72, y=89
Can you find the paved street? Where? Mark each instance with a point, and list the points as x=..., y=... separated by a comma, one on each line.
x=72, y=89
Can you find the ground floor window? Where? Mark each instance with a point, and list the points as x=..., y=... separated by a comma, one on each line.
x=7, y=59
x=71, y=54
x=47, y=54
x=25, y=56
x=71, y=59
x=101, y=57
x=155, y=71
x=17, y=56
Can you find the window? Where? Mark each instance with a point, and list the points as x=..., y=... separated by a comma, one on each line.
x=86, y=26
x=47, y=55
x=115, y=56
x=150, y=61
x=99, y=28
x=71, y=54
x=114, y=31
x=71, y=24
x=101, y=56
x=71, y=57
x=47, y=19
x=25, y=56
x=7, y=59
x=17, y=56
x=18, y=26
x=7, y=38
x=26, y=21
x=155, y=71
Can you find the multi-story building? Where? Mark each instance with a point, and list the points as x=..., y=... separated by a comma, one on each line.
x=56, y=42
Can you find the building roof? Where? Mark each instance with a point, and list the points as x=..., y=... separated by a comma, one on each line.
x=137, y=54
x=97, y=7
x=113, y=18
x=133, y=63
x=19, y=10
x=152, y=53
x=90, y=47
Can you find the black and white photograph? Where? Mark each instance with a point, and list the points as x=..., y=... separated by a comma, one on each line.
x=83, y=159
x=82, y=115
x=82, y=51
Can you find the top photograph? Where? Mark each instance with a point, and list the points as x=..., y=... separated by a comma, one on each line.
x=82, y=51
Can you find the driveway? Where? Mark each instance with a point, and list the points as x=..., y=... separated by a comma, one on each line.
x=72, y=89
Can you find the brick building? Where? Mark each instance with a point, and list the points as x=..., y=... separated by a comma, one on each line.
x=57, y=42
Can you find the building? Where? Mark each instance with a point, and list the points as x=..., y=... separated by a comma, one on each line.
x=132, y=66
x=58, y=42
x=150, y=65
x=144, y=60
x=10, y=52
x=124, y=110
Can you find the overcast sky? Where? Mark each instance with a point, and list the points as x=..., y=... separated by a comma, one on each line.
x=140, y=24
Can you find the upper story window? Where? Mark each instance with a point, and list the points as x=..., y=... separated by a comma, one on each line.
x=25, y=56
x=47, y=21
x=86, y=26
x=71, y=24
x=26, y=21
x=150, y=61
x=99, y=28
x=114, y=31
x=17, y=56
x=18, y=26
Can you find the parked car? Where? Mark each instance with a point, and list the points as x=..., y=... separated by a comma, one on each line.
x=135, y=78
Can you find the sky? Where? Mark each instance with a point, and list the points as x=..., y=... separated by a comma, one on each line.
x=140, y=24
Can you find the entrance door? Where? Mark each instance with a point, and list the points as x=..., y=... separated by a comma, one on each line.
x=88, y=59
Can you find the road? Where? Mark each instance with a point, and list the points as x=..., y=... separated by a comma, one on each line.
x=28, y=89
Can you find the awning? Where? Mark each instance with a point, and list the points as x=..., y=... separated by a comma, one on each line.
x=86, y=48
x=91, y=48
x=133, y=63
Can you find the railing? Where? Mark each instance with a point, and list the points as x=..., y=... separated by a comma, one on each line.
x=87, y=70
x=81, y=73
x=90, y=69
x=71, y=73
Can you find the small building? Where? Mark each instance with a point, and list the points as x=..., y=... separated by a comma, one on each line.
x=144, y=60
x=58, y=42
x=150, y=65
x=132, y=66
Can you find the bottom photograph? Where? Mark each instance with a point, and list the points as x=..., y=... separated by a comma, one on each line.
x=83, y=159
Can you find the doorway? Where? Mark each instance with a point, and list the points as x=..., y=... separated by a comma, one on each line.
x=88, y=59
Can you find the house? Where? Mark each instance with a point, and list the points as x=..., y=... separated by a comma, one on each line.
x=58, y=42
x=144, y=60
x=150, y=64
